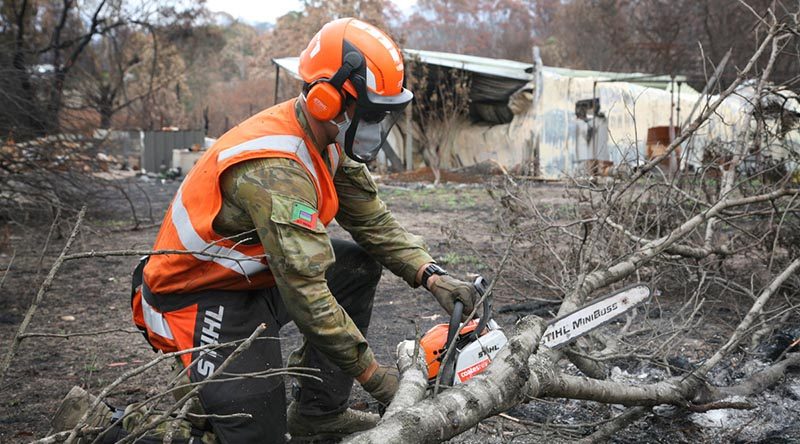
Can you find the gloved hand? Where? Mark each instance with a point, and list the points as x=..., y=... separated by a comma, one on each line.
x=447, y=290
x=383, y=384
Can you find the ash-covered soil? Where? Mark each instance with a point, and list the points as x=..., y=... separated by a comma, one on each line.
x=459, y=224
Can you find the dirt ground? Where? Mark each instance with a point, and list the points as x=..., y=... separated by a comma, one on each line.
x=459, y=224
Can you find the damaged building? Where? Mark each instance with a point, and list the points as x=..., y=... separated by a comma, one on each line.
x=552, y=122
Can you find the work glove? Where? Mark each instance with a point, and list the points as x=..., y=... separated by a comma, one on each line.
x=383, y=383
x=447, y=290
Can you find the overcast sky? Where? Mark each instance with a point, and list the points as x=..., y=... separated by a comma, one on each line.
x=255, y=11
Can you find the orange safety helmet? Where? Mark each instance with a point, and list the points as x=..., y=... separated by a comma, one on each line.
x=348, y=56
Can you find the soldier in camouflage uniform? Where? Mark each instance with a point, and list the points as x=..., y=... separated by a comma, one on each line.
x=285, y=194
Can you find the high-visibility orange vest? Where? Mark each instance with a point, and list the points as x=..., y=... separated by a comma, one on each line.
x=274, y=132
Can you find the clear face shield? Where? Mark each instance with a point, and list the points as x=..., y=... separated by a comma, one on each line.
x=374, y=118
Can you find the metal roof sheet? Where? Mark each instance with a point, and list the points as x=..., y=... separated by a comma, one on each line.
x=510, y=69
x=290, y=64
x=495, y=67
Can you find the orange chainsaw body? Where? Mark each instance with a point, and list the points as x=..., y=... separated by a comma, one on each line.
x=434, y=344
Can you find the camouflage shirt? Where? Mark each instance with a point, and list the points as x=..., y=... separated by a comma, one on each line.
x=260, y=194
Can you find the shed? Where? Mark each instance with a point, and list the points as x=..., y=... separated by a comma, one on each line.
x=551, y=121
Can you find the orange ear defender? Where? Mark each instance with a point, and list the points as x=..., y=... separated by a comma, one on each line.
x=324, y=98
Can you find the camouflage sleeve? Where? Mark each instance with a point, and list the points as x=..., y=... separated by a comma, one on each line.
x=364, y=215
x=269, y=190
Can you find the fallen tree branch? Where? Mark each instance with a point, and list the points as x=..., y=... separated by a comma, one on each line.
x=693, y=386
x=758, y=382
x=61, y=436
x=47, y=243
x=675, y=249
x=414, y=378
x=553, y=383
x=601, y=278
x=459, y=408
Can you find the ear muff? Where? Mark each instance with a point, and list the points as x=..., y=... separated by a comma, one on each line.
x=324, y=98
x=324, y=101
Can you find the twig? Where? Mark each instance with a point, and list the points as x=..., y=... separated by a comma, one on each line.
x=604, y=433
x=173, y=425
x=74, y=335
x=12, y=350
x=228, y=416
x=61, y=436
x=748, y=320
x=702, y=408
x=111, y=253
x=8, y=268
x=47, y=243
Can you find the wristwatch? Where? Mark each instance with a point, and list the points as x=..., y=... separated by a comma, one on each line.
x=430, y=270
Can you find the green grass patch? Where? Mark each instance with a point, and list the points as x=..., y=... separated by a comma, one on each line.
x=441, y=197
x=454, y=258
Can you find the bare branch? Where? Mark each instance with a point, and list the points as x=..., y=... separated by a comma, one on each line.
x=12, y=350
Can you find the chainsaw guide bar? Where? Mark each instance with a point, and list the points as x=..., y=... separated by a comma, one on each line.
x=571, y=326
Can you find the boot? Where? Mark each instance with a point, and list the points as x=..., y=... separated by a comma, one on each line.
x=304, y=428
x=72, y=408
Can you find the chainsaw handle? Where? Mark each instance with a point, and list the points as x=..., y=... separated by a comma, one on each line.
x=448, y=366
x=481, y=286
x=455, y=322
x=458, y=312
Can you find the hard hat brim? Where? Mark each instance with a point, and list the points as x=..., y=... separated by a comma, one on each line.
x=397, y=102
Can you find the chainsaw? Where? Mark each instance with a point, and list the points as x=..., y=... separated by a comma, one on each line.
x=480, y=340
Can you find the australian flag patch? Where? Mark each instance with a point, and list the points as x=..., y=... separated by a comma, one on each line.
x=304, y=215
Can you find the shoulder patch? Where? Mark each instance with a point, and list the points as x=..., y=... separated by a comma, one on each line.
x=304, y=215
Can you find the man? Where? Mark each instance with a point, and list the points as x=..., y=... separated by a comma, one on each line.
x=253, y=211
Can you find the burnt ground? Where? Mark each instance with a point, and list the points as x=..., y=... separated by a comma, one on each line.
x=459, y=223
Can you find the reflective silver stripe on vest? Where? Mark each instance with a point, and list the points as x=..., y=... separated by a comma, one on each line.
x=333, y=155
x=155, y=321
x=192, y=241
x=284, y=144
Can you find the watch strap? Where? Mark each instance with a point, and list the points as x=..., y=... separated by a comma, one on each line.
x=430, y=270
